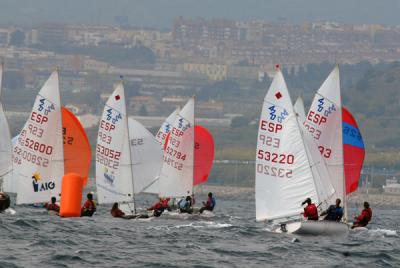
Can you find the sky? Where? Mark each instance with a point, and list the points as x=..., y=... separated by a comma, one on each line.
x=160, y=13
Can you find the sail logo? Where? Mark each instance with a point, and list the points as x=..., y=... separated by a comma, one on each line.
x=42, y=107
x=330, y=109
x=320, y=105
x=182, y=125
x=109, y=178
x=283, y=116
x=41, y=186
x=111, y=117
x=272, y=113
x=167, y=128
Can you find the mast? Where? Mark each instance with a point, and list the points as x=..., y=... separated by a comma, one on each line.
x=130, y=154
x=343, y=173
x=194, y=140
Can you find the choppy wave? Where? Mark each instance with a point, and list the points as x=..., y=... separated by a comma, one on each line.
x=229, y=238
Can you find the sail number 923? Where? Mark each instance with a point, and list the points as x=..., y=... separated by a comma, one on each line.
x=275, y=158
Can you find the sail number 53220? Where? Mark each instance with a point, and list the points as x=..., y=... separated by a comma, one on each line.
x=275, y=158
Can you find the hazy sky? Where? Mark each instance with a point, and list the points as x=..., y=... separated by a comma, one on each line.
x=159, y=13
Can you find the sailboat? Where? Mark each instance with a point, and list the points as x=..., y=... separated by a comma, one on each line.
x=289, y=167
x=5, y=153
x=203, y=150
x=38, y=155
x=176, y=177
x=128, y=157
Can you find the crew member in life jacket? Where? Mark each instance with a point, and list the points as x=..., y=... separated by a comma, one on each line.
x=116, y=212
x=334, y=212
x=310, y=211
x=52, y=206
x=185, y=205
x=158, y=208
x=89, y=207
x=209, y=205
x=364, y=218
x=4, y=201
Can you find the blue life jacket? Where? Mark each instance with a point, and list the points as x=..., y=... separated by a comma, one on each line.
x=213, y=202
x=334, y=213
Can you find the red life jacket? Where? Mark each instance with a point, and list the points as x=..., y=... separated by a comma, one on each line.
x=365, y=216
x=311, y=212
x=164, y=203
x=51, y=206
x=117, y=213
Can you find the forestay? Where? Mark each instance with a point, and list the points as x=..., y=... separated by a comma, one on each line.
x=5, y=144
x=176, y=178
x=114, y=179
x=146, y=156
x=324, y=121
x=38, y=154
x=288, y=166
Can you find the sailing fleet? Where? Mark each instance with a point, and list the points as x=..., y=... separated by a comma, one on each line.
x=298, y=155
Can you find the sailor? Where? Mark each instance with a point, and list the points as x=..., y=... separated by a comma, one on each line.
x=310, y=211
x=89, y=207
x=185, y=205
x=334, y=212
x=165, y=204
x=364, y=218
x=52, y=206
x=209, y=205
x=158, y=208
x=116, y=212
x=4, y=201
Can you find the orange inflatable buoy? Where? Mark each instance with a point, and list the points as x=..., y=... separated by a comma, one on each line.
x=71, y=195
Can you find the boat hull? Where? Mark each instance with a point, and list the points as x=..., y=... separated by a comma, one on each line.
x=317, y=228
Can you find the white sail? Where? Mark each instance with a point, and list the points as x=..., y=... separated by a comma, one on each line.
x=38, y=155
x=161, y=137
x=299, y=109
x=5, y=146
x=176, y=178
x=114, y=179
x=286, y=171
x=166, y=127
x=146, y=156
x=324, y=121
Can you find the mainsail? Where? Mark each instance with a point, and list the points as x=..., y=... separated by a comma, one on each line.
x=324, y=122
x=288, y=166
x=114, y=179
x=162, y=133
x=176, y=178
x=5, y=144
x=38, y=154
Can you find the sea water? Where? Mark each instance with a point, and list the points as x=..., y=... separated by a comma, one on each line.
x=231, y=238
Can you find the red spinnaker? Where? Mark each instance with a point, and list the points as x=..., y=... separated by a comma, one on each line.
x=203, y=154
x=353, y=151
x=77, y=151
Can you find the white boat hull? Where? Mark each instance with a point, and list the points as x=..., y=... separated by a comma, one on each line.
x=317, y=228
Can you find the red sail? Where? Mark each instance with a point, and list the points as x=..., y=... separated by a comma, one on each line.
x=77, y=151
x=353, y=151
x=203, y=155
